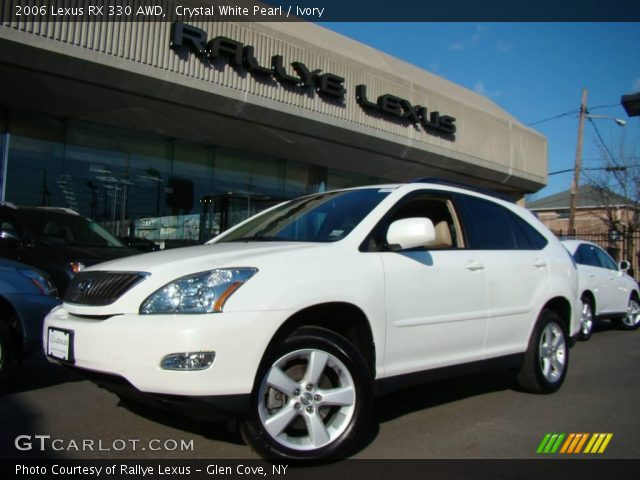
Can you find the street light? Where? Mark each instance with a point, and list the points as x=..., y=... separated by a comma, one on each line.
x=576, y=171
x=619, y=121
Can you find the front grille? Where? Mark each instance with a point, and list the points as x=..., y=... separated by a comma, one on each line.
x=100, y=288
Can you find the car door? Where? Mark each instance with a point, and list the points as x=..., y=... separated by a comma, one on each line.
x=615, y=290
x=596, y=277
x=436, y=296
x=517, y=272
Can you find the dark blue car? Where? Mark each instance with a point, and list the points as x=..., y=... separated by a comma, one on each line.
x=26, y=296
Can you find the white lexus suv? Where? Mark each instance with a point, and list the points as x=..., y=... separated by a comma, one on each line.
x=295, y=319
x=606, y=290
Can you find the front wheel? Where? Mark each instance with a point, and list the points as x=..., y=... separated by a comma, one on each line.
x=7, y=347
x=547, y=356
x=311, y=400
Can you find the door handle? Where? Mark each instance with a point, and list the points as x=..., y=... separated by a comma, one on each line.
x=539, y=263
x=474, y=265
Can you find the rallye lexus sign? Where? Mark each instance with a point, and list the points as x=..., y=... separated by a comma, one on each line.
x=329, y=86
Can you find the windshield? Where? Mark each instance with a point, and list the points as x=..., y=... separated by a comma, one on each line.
x=50, y=228
x=326, y=217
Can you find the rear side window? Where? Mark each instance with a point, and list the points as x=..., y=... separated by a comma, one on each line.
x=527, y=237
x=492, y=227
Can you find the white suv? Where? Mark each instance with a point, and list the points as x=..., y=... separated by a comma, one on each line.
x=606, y=291
x=296, y=318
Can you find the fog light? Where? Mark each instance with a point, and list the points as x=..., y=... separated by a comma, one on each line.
x=188, y=361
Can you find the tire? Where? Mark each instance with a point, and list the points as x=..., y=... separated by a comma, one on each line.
x=291, y=417
x=7, y=351
x=587, y=320
x=631, y=321
x=547, y=356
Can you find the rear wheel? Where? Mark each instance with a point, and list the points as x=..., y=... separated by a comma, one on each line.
x=586, y=320
x=631, y=320
x=311, y=399
x=547, y=356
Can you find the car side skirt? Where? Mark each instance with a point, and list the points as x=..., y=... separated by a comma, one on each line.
x=383, y=386
x=611, y=316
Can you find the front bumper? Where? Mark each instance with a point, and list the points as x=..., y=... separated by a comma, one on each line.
x=203, y=408
x=132, y=346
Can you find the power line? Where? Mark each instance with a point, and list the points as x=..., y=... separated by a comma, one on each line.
x=608, y=169
x=595, y=127
x=605, y=106
x=553, y=118
x=571, y=112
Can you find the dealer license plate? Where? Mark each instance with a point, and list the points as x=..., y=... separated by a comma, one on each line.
x=60, y=344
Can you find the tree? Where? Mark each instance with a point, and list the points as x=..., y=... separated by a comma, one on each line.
x=615, y=181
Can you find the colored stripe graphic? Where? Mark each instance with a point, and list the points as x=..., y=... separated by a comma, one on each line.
x=568, y=443
x=543, y=443
x=550, y=443
x=598, y=442
x=574, y=443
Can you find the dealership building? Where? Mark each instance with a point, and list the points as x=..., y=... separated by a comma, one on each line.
x=176, y=130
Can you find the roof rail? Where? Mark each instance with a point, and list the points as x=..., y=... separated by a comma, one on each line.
x=455, y=183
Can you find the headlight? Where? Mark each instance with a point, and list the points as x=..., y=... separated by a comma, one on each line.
x=76, y=267
x=41, y=281
x=204, y=292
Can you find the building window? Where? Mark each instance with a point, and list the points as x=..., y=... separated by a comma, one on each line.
x=146, y=185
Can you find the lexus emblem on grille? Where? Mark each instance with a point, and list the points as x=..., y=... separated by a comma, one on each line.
x=84, y=286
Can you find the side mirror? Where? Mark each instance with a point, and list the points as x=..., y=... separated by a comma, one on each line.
x=9, y=238
x=411, y=233
x=624, y=265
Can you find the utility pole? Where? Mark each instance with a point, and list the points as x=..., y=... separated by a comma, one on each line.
x=578, y=165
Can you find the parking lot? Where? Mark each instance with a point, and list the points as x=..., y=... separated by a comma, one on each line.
x=470, y=417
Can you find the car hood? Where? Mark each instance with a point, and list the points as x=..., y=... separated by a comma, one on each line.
x=86, y=255
x=174, y=263
x=167, y=265
x=6, y=264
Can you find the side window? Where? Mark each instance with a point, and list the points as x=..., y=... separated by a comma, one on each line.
x=494, y=227
x=605, y=260
x=586, y=255
x=527, y=237
x=489, y=225
x=437, y=208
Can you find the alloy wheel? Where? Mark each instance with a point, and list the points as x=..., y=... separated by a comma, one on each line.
x=307, y=399
x=632, y=318
x=552, y=350
x=586, y=321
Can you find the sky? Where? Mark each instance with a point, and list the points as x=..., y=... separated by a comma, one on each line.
x=534, y=71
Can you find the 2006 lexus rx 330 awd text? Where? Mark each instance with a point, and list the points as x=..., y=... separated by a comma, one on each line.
x=295, y=319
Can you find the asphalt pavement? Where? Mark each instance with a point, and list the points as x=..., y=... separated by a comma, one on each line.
x=54, y=413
